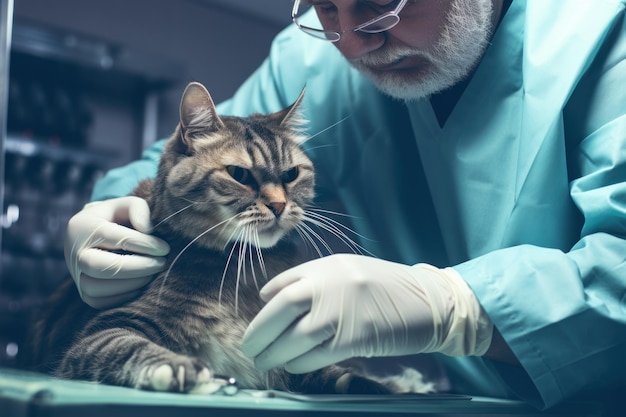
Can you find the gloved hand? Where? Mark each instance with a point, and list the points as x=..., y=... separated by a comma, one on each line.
x=105, y=278
x=343, y=306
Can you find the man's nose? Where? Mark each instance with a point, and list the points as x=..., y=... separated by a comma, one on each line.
x=352, y=44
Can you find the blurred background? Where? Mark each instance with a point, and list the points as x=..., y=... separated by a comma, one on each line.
x=89, y=85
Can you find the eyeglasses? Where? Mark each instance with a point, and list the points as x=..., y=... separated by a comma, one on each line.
x=378, y=24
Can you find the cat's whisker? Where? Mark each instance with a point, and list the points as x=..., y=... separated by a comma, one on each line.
x=228, y=260
x=330, y=145
x=312, y=233
x=225, y=228
x=189, y=200
x=311, y=211
x=241, y=265
x=335, y=213
x=302, y=236
x=308, y=240
x=251, y=236
x=328, y=128
x=171, y=215
x=243, y=248
x=259, y=255
x=230, y=256
x=245, y=251
x=326, y=224
x=334, y=226
x=194, y=240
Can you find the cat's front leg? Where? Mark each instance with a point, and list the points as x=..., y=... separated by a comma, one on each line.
x=119, y=356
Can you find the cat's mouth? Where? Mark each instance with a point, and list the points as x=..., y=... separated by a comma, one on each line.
x=268, y=233
x=264, y=230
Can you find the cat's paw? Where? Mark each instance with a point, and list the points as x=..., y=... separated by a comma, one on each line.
x=180, y=375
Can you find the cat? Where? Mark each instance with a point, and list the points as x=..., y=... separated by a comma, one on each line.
x=229, y=197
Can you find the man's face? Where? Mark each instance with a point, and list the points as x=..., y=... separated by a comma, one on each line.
x=435, y=45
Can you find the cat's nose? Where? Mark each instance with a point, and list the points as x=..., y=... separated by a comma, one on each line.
x=276, y=207
x=274, y=198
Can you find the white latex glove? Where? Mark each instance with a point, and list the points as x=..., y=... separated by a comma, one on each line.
x=343, y=306
x=105, y=278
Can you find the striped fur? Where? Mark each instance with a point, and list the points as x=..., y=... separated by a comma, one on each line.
x=229, y=194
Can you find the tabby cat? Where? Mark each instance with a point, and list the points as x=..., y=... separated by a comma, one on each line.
x=229, y=194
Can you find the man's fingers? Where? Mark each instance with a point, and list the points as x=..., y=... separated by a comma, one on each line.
x=286, y=307
x=114, y=236
x=279, y=282
x=99, y=263
x=319, y=357
x=299, y=339
x=139, y=215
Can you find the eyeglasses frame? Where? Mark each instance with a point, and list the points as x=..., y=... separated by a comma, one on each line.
x=360, y=28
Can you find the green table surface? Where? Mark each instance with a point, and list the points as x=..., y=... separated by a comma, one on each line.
x=30, y=394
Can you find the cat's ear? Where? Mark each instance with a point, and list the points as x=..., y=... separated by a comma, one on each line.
x=292, y=117
x=197, y=113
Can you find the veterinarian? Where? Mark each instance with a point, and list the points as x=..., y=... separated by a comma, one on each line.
x=480, y=146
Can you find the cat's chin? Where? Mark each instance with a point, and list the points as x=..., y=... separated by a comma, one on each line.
x=267, y=240
x=262, y=239
x=270, y=233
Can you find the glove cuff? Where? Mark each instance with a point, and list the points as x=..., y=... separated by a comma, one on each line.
x=469, y=328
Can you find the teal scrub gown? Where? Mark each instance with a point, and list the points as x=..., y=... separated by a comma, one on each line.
x=522, y=190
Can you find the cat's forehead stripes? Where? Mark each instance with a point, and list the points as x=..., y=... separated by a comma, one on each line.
x=266, y=147
x=255, y=128
x=261, y=153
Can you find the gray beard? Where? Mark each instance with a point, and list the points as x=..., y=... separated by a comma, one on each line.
x=463, y=41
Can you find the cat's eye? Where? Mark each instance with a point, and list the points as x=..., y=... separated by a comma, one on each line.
x=290, y=175
x=240, y=174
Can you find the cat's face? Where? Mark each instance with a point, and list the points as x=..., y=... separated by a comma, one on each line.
x=242, y=179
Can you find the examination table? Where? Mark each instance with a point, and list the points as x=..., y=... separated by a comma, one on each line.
x=24, y=394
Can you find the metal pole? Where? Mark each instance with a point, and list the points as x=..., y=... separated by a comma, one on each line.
x=6, y=29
